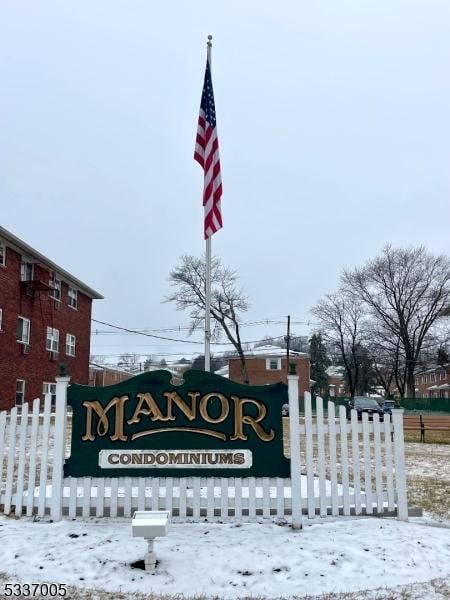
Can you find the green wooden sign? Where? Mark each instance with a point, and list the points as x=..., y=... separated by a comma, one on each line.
x=209, y=426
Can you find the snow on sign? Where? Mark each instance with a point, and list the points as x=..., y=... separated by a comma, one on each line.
x=208, y=426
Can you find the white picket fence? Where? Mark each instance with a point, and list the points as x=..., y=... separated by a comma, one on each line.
x=337, y=467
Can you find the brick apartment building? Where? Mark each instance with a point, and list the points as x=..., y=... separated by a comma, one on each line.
x=433, y=382
x=267, y=364
x=45, y=320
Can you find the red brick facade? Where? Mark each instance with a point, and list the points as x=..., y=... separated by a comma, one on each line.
x=433, y=382
x=260, y=373
x=32, y=362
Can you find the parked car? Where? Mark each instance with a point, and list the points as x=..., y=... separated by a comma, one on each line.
x=364, y=404
x=387, y=406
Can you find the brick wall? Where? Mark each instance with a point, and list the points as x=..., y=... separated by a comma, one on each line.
x=37, y=366
x=260, y=375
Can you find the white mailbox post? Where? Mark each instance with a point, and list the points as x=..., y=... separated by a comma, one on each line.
x=150, y=524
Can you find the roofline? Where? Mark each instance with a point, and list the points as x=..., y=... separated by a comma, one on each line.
x=291, y=356
x=20, y=245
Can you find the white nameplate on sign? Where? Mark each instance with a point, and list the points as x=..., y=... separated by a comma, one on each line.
x=175, y=459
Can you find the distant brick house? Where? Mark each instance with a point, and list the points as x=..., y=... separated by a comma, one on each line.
x=433, y=382
x=336, y=382
x=45, y=320
x=267, y=364
x=100, y=376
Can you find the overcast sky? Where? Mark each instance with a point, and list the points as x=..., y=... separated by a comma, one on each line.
x=333, y=122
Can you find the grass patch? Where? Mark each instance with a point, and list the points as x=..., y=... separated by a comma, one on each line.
x=430, y=494
x=431, y=437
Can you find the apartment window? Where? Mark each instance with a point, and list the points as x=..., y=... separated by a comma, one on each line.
x=20, y=392
x=432, y=378
x=49, y=388
x=26, y=270
x=23, y=330
x=1, y=318
x=73, y=297
x=52, y=342
x=442, y=375
x=273, y=364
x=2, y=254
x=55, y=284
x=70, y=344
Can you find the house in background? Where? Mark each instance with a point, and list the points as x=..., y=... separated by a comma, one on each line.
x=45, y=320
x=336, y=382
x=433, y=382
x=267, y=364
x=102, y=376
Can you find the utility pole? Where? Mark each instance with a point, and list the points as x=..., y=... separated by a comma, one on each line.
x=288, y=343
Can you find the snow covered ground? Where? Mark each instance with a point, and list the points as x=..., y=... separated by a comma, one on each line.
x=229, y=560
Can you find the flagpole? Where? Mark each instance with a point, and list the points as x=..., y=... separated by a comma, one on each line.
x=208, y=265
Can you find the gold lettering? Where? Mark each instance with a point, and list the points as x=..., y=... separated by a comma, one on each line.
x=240, y=420
x=103, y=423
x=224, y=407
x=152, y=410
x=175, y=398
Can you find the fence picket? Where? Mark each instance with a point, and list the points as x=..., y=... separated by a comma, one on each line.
x=280, y=498
x=388, y=462
x=127, y=497
x=183, y=502
x=399, y=461
x=251, y=498
x=155, y=493
x=321, y=456
x=238, y=498
x=86, y=510
x=344, y=459
x=32, y=458
x=367, y=464
x=114, y=497
x=333, y=458
x=11, y=457
x=266, y=498
x=44, y=456
x=21, y=467
x=100, y=503
x=169, y=493
x=2, y=446
x=378, y=472
x=73, y=497
x=309, y=456
x=355, y=462
x=223, y=497
x=210, y=499
x=196, y=499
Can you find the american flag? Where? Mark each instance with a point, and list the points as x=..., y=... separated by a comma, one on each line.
x=207, y=155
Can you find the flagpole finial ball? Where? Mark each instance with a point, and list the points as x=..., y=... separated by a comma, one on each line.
x=209, y=37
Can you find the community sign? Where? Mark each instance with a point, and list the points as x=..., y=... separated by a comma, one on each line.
x=207, y=426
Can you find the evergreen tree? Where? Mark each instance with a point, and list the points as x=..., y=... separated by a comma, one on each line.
x=319, y=363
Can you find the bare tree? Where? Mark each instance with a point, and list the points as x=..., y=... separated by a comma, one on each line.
x=406, y=289
x=342, y=322
x=227, y=300
x=130, y=361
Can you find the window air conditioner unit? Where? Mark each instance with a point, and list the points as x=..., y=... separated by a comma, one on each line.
x=57, y=304
x=25, y=348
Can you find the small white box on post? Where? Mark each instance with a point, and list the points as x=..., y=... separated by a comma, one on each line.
x=150, y=524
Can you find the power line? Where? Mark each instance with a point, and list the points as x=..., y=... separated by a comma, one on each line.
x=159, y=337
